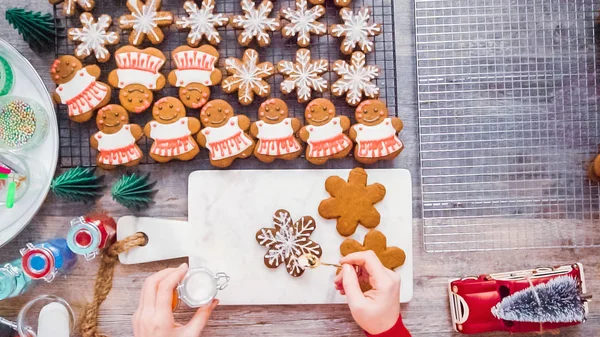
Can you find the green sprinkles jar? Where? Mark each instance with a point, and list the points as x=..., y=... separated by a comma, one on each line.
x=23, y=123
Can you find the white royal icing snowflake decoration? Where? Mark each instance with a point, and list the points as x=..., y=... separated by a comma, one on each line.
x=356, y=30
x=255, y=23
x=355, y=79
x=145, y=20
x=93, y=37
x=247, y=77
x=202, y=22
x=303, y=22
x=69, y=5
x=304, y=75
x=287, y=241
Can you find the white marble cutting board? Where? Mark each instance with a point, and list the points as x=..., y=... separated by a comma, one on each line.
x=227, y=208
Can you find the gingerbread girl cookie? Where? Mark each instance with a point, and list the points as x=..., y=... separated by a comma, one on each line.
x=224, y=134
x=275, y=132
x=324, y=133
x=375, y=133
x=255, y=23
x=78, y=88
x=355, y=30
x=116, y=140
x=172, y=131
x=196, y=71
x=137, y=75
x=94, y=37
x=145, y=21
x=202, y=22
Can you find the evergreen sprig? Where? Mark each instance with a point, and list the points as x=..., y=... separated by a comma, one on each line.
x=134, y=191
x=36, y=28
x=78, y=184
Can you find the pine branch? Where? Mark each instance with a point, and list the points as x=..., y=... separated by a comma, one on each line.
x=37, y=29
x=78, y=185
x=134, y=191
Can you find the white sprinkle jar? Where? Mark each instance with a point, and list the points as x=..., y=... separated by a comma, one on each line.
x=199, y=287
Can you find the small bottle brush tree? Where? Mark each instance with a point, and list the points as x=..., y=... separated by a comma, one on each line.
x=36, y=28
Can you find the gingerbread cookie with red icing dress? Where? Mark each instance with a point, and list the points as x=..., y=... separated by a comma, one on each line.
x=196, y=72
x=275, y=132
x=78, y=87
x=324, y=133
x=375, y=134
x=172, y=131
x=224, y=134
x=116, y=140
x=137, y=76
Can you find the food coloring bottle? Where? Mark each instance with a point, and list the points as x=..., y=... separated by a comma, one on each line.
x=13, y=281
x=45, y=260
x=90, y=234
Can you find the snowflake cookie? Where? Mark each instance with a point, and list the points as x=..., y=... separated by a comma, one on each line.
x=255, y=23
x=69, y=5
x=145, y=21
x=356, y=30
x=355, y=79
x=247, y=77
x=303, y=76
x=303, y=22
x=339, y=3
x=93, y=37
x=287, y=241
x=202, y=22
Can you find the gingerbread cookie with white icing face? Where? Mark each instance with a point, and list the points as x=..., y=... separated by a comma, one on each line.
x=78, y=88
x=116, y=140
x=195, y=72
x=275, y=132
x=324, y=133
x=137, y=76
x=224, y=133
x=172, y=131
x=375, y=133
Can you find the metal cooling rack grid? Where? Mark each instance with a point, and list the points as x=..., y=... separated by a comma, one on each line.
x=508, y=114
x=74, y=137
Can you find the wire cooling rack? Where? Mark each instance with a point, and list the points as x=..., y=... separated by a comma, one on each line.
x=509, y=108
x=74, y=138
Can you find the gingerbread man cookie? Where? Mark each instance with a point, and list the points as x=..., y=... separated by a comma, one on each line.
x=324, y=133
x=78, y=88
x=69, y=5
x=275, y=132
x=594, y=170
x=172, y=131
x=375, y=241
x=248, y=77
x=375, y=134
x=255, y=23
x=116, y=140
x=355, y=79
x=339, y=3
x=287, y=241
x=303, y=21
x=352, y=202
x=224, y=134
x=93, y=37
x=202, y=22
x=145, y=21
x=196, y=71
x=137, y=76
x=356, y=30
x=304, y=76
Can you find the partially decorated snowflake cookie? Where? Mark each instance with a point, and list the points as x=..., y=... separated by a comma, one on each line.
x=356, y=30
x=339, y=3
x=69, y=5
x=94, y=37
x=202, y=22
x=145, y=21
x=287, y=241
x=247, y=77
x=255, y=23
x=303, y=76
x=355, y=79
x=303, y=21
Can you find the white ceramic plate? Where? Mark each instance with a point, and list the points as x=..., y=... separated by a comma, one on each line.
x=41, y=160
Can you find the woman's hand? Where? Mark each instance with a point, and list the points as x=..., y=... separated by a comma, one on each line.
x=154, y=316
x=377, y=310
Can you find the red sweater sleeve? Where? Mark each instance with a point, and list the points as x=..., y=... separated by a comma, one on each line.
x=398, y=330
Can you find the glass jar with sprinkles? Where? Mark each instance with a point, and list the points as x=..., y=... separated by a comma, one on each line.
x=13, y=171
x=23, y=123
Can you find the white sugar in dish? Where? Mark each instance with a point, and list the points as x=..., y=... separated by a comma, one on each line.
x=200, y=287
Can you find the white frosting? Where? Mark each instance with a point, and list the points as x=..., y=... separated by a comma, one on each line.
x=303, y=21
x=280, y=130
x=378, y=140
x=77, y=85
x=304, y=75
x=324, y=132
x=226, y=141
x=145, y=19
x=248, y=74
x=355, y=79
x=202, y=21
x=93, y=36
x=117, y=148
x=356, y=29
x=187, y=76
x=136, y=76
x=276, y=139
x=256, y=22
x=70, y=6
x=171, y=131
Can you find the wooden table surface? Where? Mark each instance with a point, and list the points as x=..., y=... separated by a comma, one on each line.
x=427, y=314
